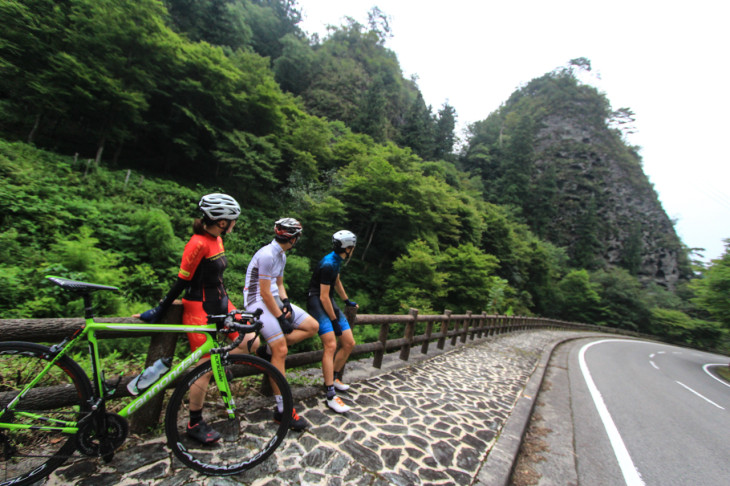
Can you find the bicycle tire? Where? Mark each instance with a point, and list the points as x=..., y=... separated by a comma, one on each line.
x=29, y=455
x=247, y=439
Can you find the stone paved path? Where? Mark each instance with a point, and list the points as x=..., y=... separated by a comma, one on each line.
x=431, y=422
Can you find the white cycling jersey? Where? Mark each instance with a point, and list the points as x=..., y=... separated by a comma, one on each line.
x=267, y=263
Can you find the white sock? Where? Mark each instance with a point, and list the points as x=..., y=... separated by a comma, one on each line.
x=279, y=403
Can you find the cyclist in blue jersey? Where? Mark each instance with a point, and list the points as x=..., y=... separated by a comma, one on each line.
x=332, y=322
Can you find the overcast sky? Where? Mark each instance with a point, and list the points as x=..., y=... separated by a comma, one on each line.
x=666, y=60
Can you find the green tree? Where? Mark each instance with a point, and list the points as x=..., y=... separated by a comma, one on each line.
x=713, y=288
x=579, y=298
x=418, y=128
x=218, y=22
x=295, y=68
x=371, y=119
x=270, y=21
x=31, y=31
x=633, y=246
x=679, y=327
x=469, y=278
x=415, y=280
x=518, y=164
x=622, y=301
x=587, y=245
x=444, y=137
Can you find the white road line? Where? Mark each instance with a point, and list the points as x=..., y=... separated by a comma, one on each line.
x=652, y=363
x=702, y=397
x=631, y=474
x=715, y=377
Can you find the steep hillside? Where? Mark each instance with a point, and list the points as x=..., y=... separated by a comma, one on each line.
x=551, y=151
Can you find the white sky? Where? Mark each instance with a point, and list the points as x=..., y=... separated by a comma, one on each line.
x=666, y=60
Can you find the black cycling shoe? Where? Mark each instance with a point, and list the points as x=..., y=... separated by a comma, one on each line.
x=261, y=353
x=297, y=423
x=203, y=433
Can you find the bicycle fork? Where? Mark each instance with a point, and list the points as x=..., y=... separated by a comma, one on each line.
x=224, y=385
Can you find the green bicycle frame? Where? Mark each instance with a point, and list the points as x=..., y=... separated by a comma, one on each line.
x=89, y=332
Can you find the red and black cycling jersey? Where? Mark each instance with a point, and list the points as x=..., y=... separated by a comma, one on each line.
x=203, y=263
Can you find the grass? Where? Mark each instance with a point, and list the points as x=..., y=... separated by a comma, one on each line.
x=724, y=371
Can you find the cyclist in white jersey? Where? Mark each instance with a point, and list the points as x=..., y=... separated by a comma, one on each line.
x=284, y=323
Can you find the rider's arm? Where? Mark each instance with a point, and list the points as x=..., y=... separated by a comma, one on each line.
x=343, y=295
x=324, y=298
x=192, y=256
x=268, y=297
x=340, y=289
x=282, y=291
x=174, y=293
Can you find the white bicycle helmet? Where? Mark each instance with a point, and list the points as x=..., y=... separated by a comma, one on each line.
x=343, y=239
x=219, y=206
x=287, y=228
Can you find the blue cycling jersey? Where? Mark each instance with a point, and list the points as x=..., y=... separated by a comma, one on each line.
x=326, y=273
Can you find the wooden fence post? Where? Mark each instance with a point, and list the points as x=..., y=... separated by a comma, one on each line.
x=162, y=345
x=457, y=326
x=444, y=329
x=405, y=350
x=482, y=324
x=383, y=339
x=429, y=331
x=465, y=327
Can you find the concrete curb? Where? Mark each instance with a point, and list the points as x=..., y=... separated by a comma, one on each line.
x=497, y=468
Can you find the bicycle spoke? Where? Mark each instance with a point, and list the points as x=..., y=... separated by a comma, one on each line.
x=35, y=432
x=242, y=441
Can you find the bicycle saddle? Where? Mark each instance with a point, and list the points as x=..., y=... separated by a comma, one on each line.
x=79, y=286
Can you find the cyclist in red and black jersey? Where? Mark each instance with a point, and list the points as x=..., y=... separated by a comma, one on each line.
x=201, y=278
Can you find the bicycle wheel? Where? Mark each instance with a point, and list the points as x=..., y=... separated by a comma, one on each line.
x=58, y=400
x=246, y=439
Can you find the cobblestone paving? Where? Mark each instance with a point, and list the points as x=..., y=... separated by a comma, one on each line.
x=428, y=423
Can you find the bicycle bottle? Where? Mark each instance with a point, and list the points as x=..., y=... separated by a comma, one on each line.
x=149, y=376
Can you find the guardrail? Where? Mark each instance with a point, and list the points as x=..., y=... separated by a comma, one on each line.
x=437, y=329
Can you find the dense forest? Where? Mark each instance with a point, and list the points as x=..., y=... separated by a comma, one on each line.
x=116, y=116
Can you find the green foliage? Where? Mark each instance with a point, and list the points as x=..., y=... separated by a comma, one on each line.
x=621, y=300
x=713, y=288
x=678, y=327
x=296, y=279
x=580, y=299
x=460, y=279
x=469, y=277
x=416, y=281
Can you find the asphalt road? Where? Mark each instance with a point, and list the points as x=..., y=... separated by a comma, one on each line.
x=617, y=411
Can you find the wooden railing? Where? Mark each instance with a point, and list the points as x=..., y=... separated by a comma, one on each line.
x=458, y=328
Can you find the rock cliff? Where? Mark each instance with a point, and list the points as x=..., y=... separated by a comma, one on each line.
x=630, y=226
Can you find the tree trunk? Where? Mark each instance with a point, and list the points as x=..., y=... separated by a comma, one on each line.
x=370, y=239
x=34, y=130
x=100, y=150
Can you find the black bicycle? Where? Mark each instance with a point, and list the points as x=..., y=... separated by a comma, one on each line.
x=51, y=411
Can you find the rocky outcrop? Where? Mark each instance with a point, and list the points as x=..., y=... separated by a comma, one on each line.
x=603, y=191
